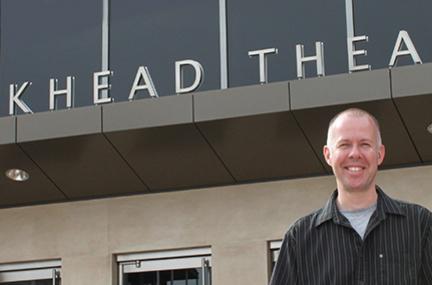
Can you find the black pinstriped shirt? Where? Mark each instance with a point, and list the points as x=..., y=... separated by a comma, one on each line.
x=323, y=248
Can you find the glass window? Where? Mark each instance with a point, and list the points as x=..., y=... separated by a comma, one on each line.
x=382, y=20
x=181, y=267
x=43, y=39
x=31, y=273
x=156, y=34
x=255, y=24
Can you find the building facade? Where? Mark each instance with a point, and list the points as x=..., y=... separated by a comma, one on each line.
x=175, y=142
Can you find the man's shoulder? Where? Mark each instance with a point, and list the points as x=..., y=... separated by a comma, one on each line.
x=305, y=223
x=410, y=207
x=391, y=204
x=414, y=210
x=415, y=215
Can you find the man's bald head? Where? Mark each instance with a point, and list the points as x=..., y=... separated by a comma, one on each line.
x=355, y=112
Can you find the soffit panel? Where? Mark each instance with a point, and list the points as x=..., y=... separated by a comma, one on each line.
x=262, y=147
x=253, y=132
x=412, y=93
x=171, y=157
x=84, y=166
x=70, y=148
x=416, y=112
x=38, y=189
x=158, y=139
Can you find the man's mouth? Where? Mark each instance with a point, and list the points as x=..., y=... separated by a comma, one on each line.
x=354, y=168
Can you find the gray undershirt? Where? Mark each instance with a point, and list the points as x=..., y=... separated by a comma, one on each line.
x=359, y=219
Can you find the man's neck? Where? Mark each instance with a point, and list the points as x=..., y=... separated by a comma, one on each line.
x=353, y=200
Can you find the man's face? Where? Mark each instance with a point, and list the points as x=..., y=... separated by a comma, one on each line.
x=354, y=152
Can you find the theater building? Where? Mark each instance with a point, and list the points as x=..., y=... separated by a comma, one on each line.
x=174, y=142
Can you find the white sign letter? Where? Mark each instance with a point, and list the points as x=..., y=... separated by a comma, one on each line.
x=14, y=98
x=403, y=37
x=318, y=57
x=69, y=91
x=261, y=53
x=199, y=74
x=97, y=86
x=352, y=53
x=145, y=75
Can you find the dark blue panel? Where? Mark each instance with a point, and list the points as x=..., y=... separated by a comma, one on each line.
x=158, y=33
x=256, y=24
x=382, y=20
x=43, y=39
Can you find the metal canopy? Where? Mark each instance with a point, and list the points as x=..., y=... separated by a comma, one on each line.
x=70, y=148
x=412, y=88
x=162, y=145
x=221, y=137
x=254, y=133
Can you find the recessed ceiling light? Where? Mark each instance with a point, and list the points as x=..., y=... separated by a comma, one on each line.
x=16, y=174
x=429, y=128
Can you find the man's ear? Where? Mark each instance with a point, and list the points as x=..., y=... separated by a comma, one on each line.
x=381, y=154
x=327, y=155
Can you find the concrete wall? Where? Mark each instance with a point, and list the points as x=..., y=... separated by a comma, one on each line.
x=236, y=221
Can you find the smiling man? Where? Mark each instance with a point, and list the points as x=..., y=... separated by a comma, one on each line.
x=361, y=235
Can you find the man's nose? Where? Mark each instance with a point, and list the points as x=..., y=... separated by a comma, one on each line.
x=355, y=151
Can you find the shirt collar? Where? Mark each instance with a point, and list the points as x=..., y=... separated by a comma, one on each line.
x=385, y=205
